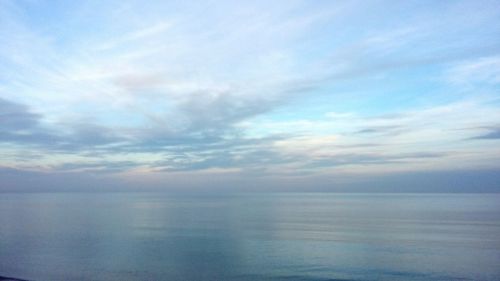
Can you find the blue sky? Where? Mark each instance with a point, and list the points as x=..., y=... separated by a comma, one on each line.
x=288, y=95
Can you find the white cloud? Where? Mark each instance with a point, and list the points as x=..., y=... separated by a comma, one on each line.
x=483, y=71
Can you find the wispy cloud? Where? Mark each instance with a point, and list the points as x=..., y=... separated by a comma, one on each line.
x=478, y=72
x=270, y=89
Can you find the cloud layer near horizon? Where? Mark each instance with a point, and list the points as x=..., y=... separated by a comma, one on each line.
x=292, y=93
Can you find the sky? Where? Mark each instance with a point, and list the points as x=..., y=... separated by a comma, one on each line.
x=394, y=96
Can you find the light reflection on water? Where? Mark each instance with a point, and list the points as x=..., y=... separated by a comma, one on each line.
x=286, y=236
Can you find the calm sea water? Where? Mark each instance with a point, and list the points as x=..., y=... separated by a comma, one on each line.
x=292, y=236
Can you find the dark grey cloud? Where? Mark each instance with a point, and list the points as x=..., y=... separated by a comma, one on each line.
x=369, y=159
x=493, y=134
x=96, y=166
x=19, y=125
x=15, y=116
x=385, y=130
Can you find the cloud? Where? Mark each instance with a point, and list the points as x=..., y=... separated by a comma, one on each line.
x=481, y=71
x=493, y=134
x=250, y=156
x=96, y=167
x=371, y=159
x=393, y=130
x=140, y=34
x=15, y=116
x=19, y=125
x=282, y=89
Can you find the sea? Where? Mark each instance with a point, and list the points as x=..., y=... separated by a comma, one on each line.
x=249, y=236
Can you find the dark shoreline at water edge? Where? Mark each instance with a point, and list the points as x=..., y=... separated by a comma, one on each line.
x=3, y=278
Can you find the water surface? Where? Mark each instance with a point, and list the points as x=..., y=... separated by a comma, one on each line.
x=281, y=236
